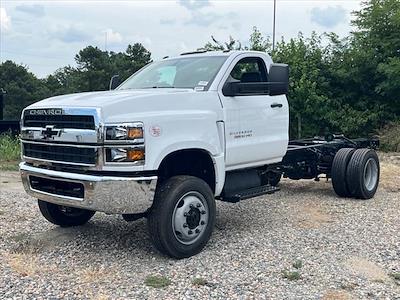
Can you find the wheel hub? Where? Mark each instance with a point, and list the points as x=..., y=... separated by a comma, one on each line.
x=190, y=217
x=193, y=218
x=370, y=174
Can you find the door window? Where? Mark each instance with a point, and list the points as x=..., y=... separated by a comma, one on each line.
x=249, y=69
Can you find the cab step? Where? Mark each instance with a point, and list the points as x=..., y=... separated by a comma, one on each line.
x=250, y=193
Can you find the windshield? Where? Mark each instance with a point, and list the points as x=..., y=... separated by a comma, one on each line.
x=185, y=72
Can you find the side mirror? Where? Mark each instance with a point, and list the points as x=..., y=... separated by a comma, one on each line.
x=278, y=78
x=231, y=88
x=277, y=84
x=114, y=82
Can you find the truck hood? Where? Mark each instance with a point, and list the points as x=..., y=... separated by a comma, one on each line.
x=105, y=99
x=125, y=105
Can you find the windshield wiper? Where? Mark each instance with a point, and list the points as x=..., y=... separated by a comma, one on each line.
x=158, y=87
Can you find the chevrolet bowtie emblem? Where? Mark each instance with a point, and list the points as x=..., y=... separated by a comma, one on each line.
x=50, y=132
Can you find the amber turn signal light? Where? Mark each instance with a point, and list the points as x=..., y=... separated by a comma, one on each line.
x=135, y=154
x=135, y=133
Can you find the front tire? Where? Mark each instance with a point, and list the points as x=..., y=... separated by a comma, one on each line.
x=64, y=216
x=182, y=217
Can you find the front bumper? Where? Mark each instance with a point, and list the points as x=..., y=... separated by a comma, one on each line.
x=109, y=194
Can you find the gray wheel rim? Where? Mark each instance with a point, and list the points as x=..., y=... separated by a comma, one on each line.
x=370, y=174
x=190, y=218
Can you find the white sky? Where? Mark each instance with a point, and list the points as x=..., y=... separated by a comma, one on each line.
x=46, y=35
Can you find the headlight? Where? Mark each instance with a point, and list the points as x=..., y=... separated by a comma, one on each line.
x=124, y=132
x=125, y=154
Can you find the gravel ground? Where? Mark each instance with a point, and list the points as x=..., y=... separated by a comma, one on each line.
x=339, y=249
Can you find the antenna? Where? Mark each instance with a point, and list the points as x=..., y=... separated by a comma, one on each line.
x=274, y=27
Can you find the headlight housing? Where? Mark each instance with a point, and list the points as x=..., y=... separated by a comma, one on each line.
x=124, y=143
x=125, y=154
x=124, y=132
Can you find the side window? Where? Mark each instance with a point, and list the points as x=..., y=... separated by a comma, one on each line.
x=250, y=69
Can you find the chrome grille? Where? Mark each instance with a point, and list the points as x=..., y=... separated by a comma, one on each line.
x=60, y=153
x=59, y=121
x=71, y=136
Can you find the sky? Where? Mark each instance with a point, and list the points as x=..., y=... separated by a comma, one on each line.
x=46, y=35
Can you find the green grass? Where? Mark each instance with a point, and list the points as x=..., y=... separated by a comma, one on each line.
x=199, y=281
x=390, y=137
x=9, y=152
x=157, y=281
x=395, y=275
x=298, y=264
x=291, y=275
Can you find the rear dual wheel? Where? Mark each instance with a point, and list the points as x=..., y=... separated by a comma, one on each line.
x=355, y=173
x=363, y=174
x=339, y=170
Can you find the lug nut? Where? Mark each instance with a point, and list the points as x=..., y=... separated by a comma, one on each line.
x=185, y=214
x=198, y=205
x=202, y=222
x=197, y=231
x=191, y=206
x=185, y=225
x=203, y=212
x=190, y=232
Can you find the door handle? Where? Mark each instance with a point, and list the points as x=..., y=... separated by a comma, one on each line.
x=273, y=105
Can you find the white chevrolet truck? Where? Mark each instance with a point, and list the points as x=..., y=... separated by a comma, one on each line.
x=177, y=135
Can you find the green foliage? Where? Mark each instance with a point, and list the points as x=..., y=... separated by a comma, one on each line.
x=309, y=103
x=298, y=264
x=93, y=72
x=350, y=85
x=9, y=147
x=390, y=137
x=198, y=281
x=257, y=42
x=157, y=281
x=22, y=88
x=9, y=152
x=395, y=276
x=216, y=45
x=291, y=275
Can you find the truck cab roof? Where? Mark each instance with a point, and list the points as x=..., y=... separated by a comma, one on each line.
x=231, y=53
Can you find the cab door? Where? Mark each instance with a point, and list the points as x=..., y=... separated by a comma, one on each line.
x=256, y=125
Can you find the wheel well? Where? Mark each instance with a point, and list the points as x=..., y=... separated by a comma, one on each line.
x=193, y=162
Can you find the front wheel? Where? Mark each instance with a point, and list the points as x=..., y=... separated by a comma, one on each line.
x=64, y=216
x=182, y=217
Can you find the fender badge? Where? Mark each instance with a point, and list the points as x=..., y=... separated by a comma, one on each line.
x=155, y=130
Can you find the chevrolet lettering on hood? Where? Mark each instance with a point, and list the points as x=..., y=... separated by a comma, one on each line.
x=46, y=112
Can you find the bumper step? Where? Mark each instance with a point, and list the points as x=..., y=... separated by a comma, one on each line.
x=250, y=193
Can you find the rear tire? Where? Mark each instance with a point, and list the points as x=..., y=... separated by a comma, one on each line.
x=273, y=178
x=182, y=217
x=363, y=174
x=338, y=172
x=64, y=216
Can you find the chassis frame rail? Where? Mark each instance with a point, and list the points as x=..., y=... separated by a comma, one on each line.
x=311, y=157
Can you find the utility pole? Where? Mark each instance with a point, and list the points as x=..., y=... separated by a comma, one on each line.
x=105, y=40
x=274, y=27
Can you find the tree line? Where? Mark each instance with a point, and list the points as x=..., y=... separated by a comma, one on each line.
x=345, y=85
